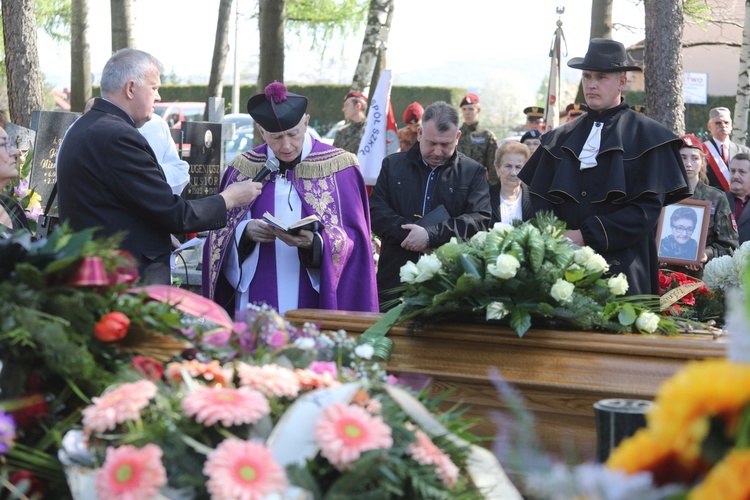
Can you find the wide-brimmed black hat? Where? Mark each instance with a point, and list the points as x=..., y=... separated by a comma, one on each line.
x=277, y=110
x=605, y=56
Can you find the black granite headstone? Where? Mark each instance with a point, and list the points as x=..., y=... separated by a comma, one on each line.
x=204, y=158
x=51, y=127
x=22, y=137
x=617, y=419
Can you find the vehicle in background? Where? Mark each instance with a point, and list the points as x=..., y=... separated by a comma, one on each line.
x=241, y=141
x=331, y=134
x=239, y=119
x=174, y=113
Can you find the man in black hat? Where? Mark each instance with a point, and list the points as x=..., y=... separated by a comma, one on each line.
x=534, y=118
x=609, y=173
x=329, y=266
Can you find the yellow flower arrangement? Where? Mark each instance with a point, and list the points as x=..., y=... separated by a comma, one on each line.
x=696, y=430
x=729, y=479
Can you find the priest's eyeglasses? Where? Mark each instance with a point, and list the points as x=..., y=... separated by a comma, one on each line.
x=683, y=229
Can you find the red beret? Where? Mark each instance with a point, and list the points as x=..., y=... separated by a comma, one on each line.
x=470, y=99
x=356, y=94
x=413, y=113
x=691, y=141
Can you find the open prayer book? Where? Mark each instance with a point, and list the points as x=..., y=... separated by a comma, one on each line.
x=310, y=223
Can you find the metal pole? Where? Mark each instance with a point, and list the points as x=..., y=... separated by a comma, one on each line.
x=236, y=82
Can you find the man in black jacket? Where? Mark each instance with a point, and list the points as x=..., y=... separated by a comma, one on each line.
x=108, y=176
x=608, y=173
x=416, y=182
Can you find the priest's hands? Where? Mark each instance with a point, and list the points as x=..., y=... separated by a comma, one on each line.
x=418, y=240
x=302, y=240
x=259, y=231
x=240, y=194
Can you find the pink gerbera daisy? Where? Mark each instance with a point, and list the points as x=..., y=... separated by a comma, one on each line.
x=271, y=380
x=425, y=452
x=118, y=405
x=226, y=405
x=345, y=431
x=130, y=473
x=243, y=469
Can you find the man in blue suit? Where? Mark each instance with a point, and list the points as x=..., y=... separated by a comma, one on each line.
x=108, y=176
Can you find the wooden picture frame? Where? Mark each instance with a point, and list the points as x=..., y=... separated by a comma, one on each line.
x=671, y=243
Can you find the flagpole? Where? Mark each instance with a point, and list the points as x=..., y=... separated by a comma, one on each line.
x=552, y=109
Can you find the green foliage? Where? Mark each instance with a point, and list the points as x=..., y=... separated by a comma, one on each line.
x=521, y=275
x=326, y=20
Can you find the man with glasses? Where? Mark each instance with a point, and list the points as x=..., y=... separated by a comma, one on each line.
x=721, y=148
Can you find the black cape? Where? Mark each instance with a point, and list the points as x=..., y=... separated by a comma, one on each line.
x=616, y=204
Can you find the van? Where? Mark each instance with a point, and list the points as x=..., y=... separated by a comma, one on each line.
x=174, y=113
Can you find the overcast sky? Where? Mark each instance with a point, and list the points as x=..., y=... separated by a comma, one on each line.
x=427, y=39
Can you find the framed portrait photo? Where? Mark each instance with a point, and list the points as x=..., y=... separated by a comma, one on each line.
x=681, y=233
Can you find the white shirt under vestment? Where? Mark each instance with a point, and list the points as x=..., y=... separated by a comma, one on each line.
x=287, y=207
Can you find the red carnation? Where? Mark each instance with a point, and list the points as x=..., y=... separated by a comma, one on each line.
x=112, y=327
x=665, y=281
x=682, y=279
x=34, y=409
x=688, y=300
x=148, y=367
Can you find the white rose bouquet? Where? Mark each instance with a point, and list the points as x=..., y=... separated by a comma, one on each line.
x=521, y=273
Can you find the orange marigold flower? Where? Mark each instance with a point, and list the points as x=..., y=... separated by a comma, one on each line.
x=728, y=479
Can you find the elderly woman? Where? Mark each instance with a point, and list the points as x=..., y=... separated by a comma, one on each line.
x=510, y=197
x=12, y=217
x=721, y=238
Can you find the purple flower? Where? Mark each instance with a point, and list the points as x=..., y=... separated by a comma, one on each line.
x=321, y=367
x=218, y=339
x=277, y=339
x=7, y=432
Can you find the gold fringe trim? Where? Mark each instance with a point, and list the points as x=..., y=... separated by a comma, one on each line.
x=317, y=165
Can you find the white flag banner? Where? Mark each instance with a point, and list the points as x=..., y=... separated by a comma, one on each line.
x=372, y=148
x=552, y=110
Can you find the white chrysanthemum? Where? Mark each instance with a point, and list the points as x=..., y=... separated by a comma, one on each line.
x=718, y=273
x=453, y=240
x=739, y=261
x=427, y=267
x=618, y=285
x=562, y=291
x=501, y=228
x=505, y=267
x=647, y=322
x=496, y=310
x=304, y=343
x=477, y=241
x=409, y=272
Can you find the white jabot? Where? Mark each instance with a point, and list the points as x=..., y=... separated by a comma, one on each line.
x=591, y=147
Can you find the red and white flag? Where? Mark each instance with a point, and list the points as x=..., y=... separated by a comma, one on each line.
x=381, y=135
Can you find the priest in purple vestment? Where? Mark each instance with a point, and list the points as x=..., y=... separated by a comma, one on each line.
x=250, y=261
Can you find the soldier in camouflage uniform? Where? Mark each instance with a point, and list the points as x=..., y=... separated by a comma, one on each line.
x=350, y=134
x=722, y=237
x=476, y=142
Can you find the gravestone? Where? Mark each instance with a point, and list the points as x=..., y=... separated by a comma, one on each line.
x=50, y=129
x=22, y=137
x=204, y=158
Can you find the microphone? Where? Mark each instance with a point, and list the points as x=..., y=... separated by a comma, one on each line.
x=271, y=165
